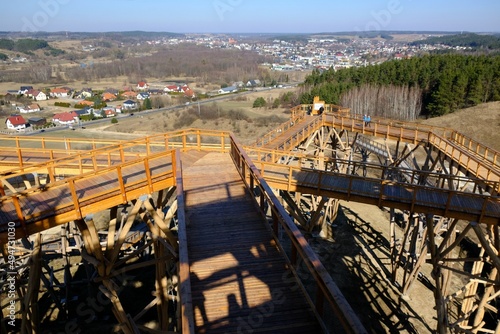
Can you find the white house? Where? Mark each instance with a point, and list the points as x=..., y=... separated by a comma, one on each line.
x=16, y=122
x=39, y=96
x=171, y=88
x=29, y=109
x=66, y=118
x=109, y=112
x=142, y=96
x=142, y=85
x=59, y=92
x=25, y=89
x=84, y=93
x=227, y=90
x=129, y=104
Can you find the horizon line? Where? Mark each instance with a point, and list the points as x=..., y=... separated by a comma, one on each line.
x=255, y=33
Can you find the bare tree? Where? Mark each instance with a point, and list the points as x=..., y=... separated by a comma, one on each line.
x=397, y=102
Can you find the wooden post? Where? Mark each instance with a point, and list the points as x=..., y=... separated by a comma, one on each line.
x=29, y=305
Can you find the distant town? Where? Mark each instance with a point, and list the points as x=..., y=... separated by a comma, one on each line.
x=284, y=54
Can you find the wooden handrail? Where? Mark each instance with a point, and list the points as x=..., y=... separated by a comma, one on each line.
x=270, y=156
x=471, y=163
x=385, y=192
x=186, y=313
x=488, y=153
x=125, y=150
x=84, y=204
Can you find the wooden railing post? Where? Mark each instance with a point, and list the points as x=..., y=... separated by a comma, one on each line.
x=76, y=203
x=122, y=184
x=20, y=157
x=148, y=175
x=19, y=213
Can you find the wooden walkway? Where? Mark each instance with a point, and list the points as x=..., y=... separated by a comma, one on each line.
x=470, y=162
x=238, y=274
x=381, y=192
x=38, y=209
x=289, y=137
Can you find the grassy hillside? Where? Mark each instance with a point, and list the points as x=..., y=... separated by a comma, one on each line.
x=481, y=123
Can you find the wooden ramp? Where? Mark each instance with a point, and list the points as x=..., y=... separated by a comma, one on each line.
x=289, y=137
x=238, y=275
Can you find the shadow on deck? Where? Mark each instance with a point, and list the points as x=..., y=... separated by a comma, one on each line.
x=241, y=280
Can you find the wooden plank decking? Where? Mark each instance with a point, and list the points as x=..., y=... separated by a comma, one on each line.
x=456, y=204
x=238, y=274
x=43, y=208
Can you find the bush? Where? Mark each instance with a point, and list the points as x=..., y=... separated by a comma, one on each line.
x=80, y=106
x=114, y=120
x=62, y=104
x=259, y=102
x=184, y=121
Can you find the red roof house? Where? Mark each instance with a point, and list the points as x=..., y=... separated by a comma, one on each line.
x=16, y=122
x=65, y=118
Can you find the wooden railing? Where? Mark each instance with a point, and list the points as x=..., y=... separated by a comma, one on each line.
x=186, y=314
x=326, y=289
x=273, y=134
x=80, y=161
x=385, y=192
x=475, y=165
x=58, y=162
x=303, y=131
x=55, y=143
x=73, y=198
x=76, y=203
x=430, y=178
x=487, y=153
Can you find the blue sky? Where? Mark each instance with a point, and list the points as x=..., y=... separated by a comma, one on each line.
x=257, y=16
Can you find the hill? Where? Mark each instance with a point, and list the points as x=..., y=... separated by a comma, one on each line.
x=481, y=123
x=470, y=40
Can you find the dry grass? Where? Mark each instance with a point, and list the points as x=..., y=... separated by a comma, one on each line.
x=481, y=123
x=246, y=130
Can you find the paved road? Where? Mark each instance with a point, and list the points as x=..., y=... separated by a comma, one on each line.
x=153, y=111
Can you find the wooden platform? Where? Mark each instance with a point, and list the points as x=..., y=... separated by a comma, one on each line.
x=239, y=277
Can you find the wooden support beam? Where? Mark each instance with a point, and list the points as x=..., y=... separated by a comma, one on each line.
x=29, y=305
x=172, y=239
x=295, y=210
x=317, y=214
x=442, y=315
x=161, y=287
x=123, y=233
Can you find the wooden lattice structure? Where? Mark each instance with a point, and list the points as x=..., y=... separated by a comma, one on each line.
x=439, y=186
